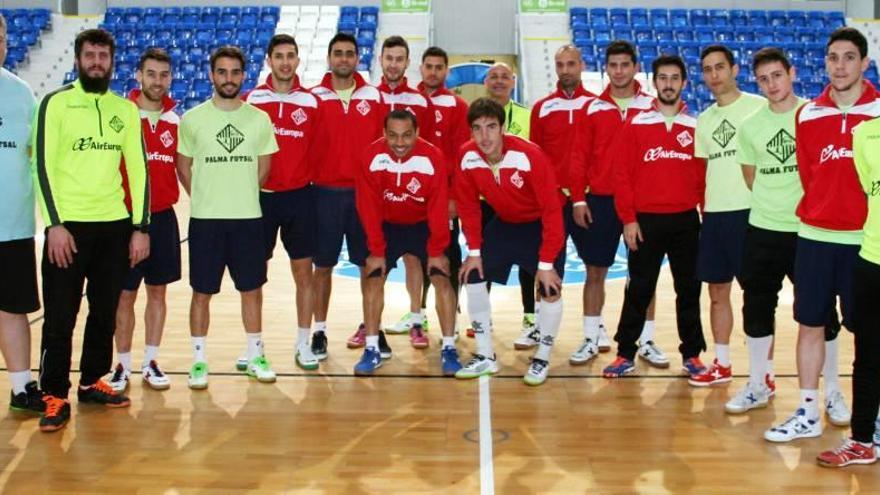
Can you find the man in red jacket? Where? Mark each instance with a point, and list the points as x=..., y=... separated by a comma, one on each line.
x=516, y=179
x=287, y=197
x=659, y=186
x=159, y=125
x=402, y=200
x=832, y=212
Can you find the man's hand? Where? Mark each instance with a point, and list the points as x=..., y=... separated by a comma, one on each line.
x=138, y=248
x=632, y=235
x=60, y=246
x=438, y=264
x=582, y=215
x=551, y=282
x=375, y=266
x=470, y=263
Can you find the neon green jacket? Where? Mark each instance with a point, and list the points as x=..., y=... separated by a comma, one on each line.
x=78, y=140
x=518, y=119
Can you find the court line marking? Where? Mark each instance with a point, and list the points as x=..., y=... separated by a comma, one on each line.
x=487, y=469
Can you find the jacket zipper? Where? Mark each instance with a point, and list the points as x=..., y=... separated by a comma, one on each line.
x=100, y=125
x=843, y=124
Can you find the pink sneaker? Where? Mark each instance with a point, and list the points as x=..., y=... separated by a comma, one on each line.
x=417, y=337
x=358, y=338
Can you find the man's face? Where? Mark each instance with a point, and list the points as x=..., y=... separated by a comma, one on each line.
x=343, y=59
x=95, y=67
x=394, y=63
x=227, y=76
x=499, y=82
x=621, y=70
x=844, y=65
x=669, y=83
x=568, y=69
x=155, y=79
x=283, y=62
x=401, y=136
x=488, y=134
x=775, y=81
x=718, y=74
x=434, y=71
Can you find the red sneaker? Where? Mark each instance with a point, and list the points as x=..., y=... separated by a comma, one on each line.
x=851, y=452
x=715, y=375
x=358, y=338
x=771, y=384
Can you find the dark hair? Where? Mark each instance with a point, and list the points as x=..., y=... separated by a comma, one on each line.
x=768, y=55
x=718, y=48
x=281, y=39
x=401, y=114
x=392, y=41
x=2, y=22
x=621, y=47
x=852, y=35
x=664, y=60
x=485, y=107
x=98, y=37
x=341, y=38
x=227, y=51
x=154, y=53
x=436, y=51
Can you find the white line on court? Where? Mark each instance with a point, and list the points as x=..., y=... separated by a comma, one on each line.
x=487, y=471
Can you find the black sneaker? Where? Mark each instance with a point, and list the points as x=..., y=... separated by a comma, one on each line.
x=384, y=348
x=31, y=400
x=57, y=413
x=319, y=345
x=101, y=393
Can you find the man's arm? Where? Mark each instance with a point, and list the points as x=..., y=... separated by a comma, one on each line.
x=264, y=164
x=184, y=172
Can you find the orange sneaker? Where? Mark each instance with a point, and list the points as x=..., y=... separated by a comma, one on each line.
x=101, y=393
x=57, y=413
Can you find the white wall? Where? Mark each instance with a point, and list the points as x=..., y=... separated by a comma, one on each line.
x=475, y=26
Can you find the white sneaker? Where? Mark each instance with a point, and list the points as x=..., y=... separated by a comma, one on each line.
x=155, y=377
x=241, y=363
x=837, y=410
x=198, y=376
x=529, y=338
x=587, y=351
x=604, y=342
x=478, y=366
x=750, y=397
x=260, y=369
x=537, y=372
x=797, y=426
x=305, y=358
x=650, y=352
x=403, y=324
x=119, y=380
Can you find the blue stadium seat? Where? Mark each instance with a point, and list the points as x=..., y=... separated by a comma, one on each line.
x=704, y=34
x=835, y=20
x=664, y=34
x=719, y=18
x=659, y=17
x=619, y=16
x=816, y=19
x=601, y=35
x=668, y=49
x=782, y=36
x=777, y=18
x=638, y=17
x=797, y=18
x=684, y=35
x=764, y=35
x=622, y=34
x=744, y=35
x=699, y=17
x=738, y=18
x=643, y=34
x=724, y=35
x=599, y=17
x=249, y=20
x=679, y=18
x=758, y=18
x=689, y=49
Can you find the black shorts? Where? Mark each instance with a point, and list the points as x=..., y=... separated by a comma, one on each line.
x=823, y=273
x=722, y=237
x=215, y=245
x=405, y=239
x=163, y=265
x=336, y=218
x=292, y=213
x=507, y=244
x=597, y=245
x=768, y=258
x=18, y=271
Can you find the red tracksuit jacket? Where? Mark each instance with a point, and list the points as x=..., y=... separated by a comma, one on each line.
x=405, y=190
x=404, y=97
x=161, y=145
x=451, y=128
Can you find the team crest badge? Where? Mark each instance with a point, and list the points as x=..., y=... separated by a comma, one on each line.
x=363, y=107
x=684, y=139
x=166, y=138
x=299, y=116
x=414, y=186
x=517, y=180
x=438, y=117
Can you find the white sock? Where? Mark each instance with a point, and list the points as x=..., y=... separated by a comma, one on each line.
x=302, y=336
x=321, y=326
x=198, y=345
x=770, y=369
x=758, y=348
x=647, y=332
x=809, y=403
x=722, y=354
x=151, y=352
x=591, y=327
x=480, y=311
x=254, y=345
x=373, y=342
x=448, y=341
x=550, y=317
x=829, y=369
x=418, y=317
x=125, y=359
x=19, y=379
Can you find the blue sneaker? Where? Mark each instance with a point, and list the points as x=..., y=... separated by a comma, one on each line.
x=693, y=366
x=368, y=363
x=449, y=359
x=618, y=368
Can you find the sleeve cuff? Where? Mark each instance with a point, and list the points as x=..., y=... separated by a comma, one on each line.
x=543, y=265
x=474, y=252
x=579, y=203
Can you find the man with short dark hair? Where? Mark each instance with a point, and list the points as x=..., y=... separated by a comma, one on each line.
x=81, y=133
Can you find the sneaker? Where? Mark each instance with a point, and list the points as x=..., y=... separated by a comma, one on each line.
x=693, y=366
x=716, y=375
x=851, y=452
x=771, y=384
x=384, y=348
x=587, y=351
x=750, y=397
x=305, y=359
x=618, y=368
x=836, y=409
x=198, y=376
x=529, y=338
x=470, y=332
x=653, y=355
x=260, y=369
x=797, y=426
x=449, y=361
x=57, y=413
x=319, y=345
x=478, y=366
x=154, y=377
x=403, y=325
x=119, y=380
x=31, y=400
x=358, y=339
x=417, y=337
x=604, y=342
x=537, y=372
x=370, y=361
x=241, y=363
x=101, y=393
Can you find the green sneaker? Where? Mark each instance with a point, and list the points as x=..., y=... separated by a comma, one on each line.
x=305, y=358
x=260, y=369
x=198, y=376
x=403, y=324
